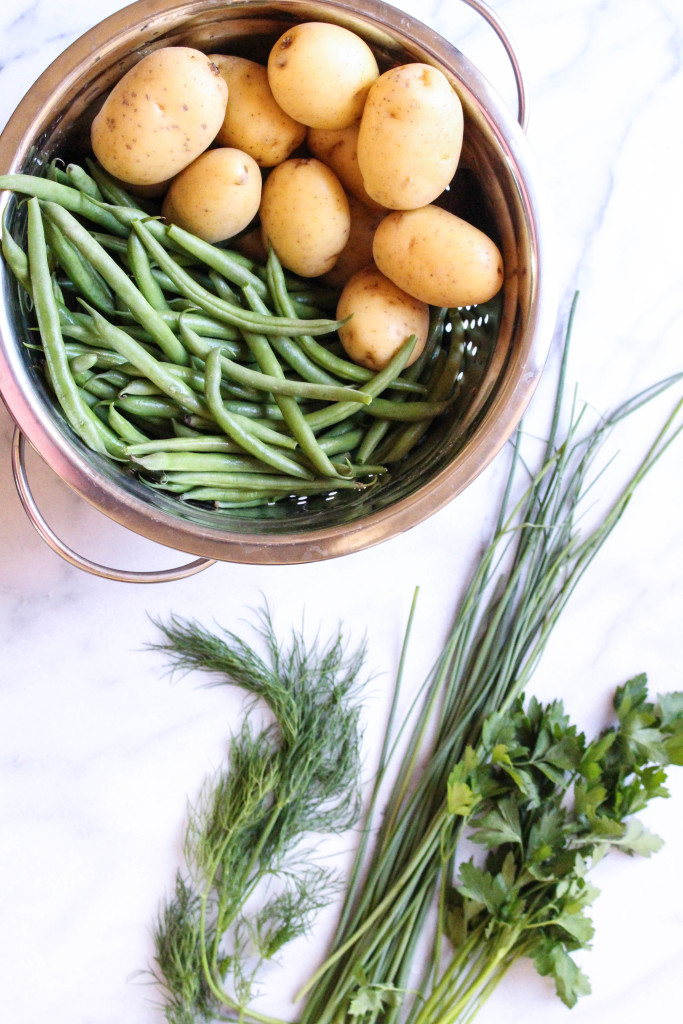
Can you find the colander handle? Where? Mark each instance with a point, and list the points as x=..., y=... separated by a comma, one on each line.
x=494, y=21
x=68, y=554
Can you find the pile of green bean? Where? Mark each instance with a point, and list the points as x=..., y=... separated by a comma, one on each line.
x=208, y=375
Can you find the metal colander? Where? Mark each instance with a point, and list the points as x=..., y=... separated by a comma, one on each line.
x=505, y=344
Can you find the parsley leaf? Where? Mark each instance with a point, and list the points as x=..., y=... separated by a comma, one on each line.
x=545, y=805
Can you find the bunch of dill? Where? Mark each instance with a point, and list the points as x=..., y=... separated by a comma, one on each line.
x=249, y=884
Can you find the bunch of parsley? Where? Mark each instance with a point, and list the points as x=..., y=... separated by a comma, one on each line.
x=546, y=804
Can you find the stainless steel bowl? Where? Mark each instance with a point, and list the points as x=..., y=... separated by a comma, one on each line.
x=56, y=111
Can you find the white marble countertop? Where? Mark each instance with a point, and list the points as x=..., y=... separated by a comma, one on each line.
x=99, y=752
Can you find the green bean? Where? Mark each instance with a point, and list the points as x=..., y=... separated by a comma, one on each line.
x=406, y=412
x=197, y=462
x=135, y=353
x=269, y=482
x=80, y=179
x=227, y=312
x=164, y=281
x=111, y=189
x=72, y=317
x=269, y=382
x=81, y=377
x=87, y=282
x=316, y=352
x=437, y=321
x=373, y=436
x=128, y=216
x=89, y=337
x=402, y=442
x=100, y=388
x=369, y=470
x=147, y=407
x=116, y=377
x=118, y=280
x=15, y=257
x=195, y=379
x=236, y=429
x=291, y=352
x=254, y=426
x=66, y=196
x=90, y=400
x=228, y=348
x=81, y=362
x=208, y=327
x=66, y=316
x=306, y=309
x=220, y=260
x=272, y=379
x=139, y=386
x=221, y=287
x=381, y=427
x=226, y=499
x=181, y=429
x=332, y=414
x=105, y=359
x=141, y=269
x=292, y=414
x=337, y=443
x=112, y=243
x=78, y=414
x=205, y=426
x=124, y=428
x=253, y=411
x=320, y=296
x=181, y=305
x=204, y=326
x=56, y=173
x=193, y=443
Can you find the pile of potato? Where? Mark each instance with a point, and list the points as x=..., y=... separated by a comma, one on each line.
x=219, y=137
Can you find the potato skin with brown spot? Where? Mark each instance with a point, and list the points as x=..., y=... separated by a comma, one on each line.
x=410, y=136
x=217, y=196
x=159, y=116
x=305, y=216
x=438, y=257
x=382, y=319
x=254, y=122
x=320, y=74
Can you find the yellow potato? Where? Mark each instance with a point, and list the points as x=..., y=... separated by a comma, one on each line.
x=438, y=257
x=410, y=136
x=320, y=74
x=382, y=319
x=357, y=253
x=160, y=116
x=217, y=196
x=305, y=216
x=253, y=120
x=250, y=244
x=338, y=148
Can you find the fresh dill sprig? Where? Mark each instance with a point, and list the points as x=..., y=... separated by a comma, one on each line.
x=249, y=885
